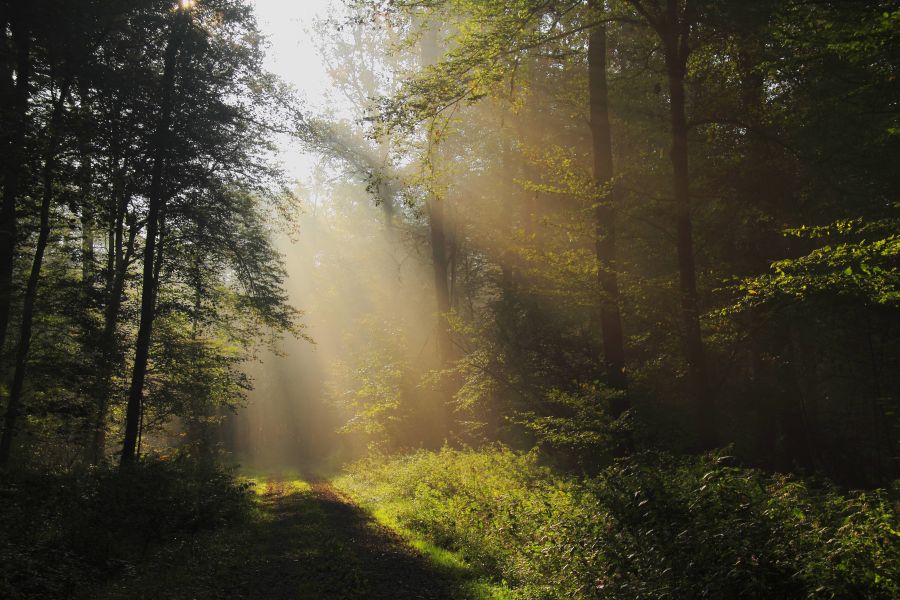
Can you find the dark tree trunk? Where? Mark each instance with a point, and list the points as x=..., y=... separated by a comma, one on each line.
x=199, y=431
x=440, y=266
x=437, y=227
x=676, y=53
x=673, y=25
x=384, y=190
x=117, y=261
x=156, y=200
x=14, y=405
x=15, y=109
x=609, y=315
x=108, y=349
x=85, y=179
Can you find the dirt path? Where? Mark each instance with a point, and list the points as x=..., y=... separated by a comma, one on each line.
x=307, y=543
x=322, y=546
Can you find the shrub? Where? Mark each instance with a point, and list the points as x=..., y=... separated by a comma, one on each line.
x=60, y=530
x=651, y=526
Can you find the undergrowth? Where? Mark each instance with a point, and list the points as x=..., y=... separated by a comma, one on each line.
x=63, y=531
x=652, y=526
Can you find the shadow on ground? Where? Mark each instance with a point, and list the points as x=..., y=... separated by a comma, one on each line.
x=307, y=542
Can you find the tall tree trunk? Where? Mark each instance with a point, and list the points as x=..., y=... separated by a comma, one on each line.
x=15, y=108
x=454, y=251
x=85, y=179
x=199, y=434
x=155, y=200
x=384, y=190
x=437, y=409
x=605, y=214
x=437, y=225
x=108, y=350
x=117, y=260
x=675, y=33
x=440, y=267
x=14, y=404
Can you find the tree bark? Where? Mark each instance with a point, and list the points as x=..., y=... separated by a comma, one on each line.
x=85, y=179
x=199, y=434
x=108, y=351
x=673, y=24
x=156, y=200
x=14, y=405
x=15, y=107
x=437, y=227
x=610, y=318
x=675, y=32
x=440, y=267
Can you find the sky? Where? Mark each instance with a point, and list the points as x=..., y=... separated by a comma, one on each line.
x=294, y=57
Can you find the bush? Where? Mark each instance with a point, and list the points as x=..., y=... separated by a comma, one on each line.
x=651, y=526
x=60, y=530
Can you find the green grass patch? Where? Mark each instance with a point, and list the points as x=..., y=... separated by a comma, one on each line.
x=477, y=585
x=266, y=486
x=652, y=526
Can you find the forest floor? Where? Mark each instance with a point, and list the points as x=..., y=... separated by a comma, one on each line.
x=305, y=541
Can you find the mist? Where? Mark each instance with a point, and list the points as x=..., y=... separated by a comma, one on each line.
x=364, y=285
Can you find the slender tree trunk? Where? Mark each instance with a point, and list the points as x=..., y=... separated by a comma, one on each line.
x=160, y=250
x=437, y=227
x=437, y=410
x=609, y=316
x=156, y=200
x=385, y=191
x=108, y=350
x=199, y=434
x=14, y=404
x=15, y=119
x=675, y=34
x=803, y=360
x=117, y=261
x=85, y=179
x=453, y=258
x=440, y=267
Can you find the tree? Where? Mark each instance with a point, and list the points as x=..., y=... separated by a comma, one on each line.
x=106, y=193
x=63, y=52
x=17, y=67
x=156, y=203
x=610, y=317
x=673, y=25
x=208, y=141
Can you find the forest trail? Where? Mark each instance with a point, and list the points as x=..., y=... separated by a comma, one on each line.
x=308, y=541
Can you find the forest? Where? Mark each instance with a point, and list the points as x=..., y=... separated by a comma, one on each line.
x=463, y=299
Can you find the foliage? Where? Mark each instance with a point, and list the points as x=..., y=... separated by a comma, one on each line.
x=111, y=91
x=369, y=385
x=865, y=271
x=649, y=526
x=785, y=226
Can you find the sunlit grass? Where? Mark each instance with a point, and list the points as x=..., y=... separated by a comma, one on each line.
x=476, y=585
x=267, y=486
x=513, y=523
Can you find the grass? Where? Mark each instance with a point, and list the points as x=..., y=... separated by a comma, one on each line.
x=479, y=586
x=262, y=486
x=651, y=526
